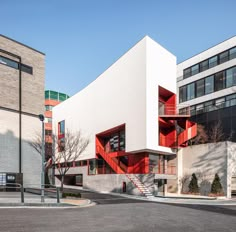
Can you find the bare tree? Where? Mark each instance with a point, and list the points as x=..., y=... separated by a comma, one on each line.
x=201, y=136
x=36, y=143
x=216, y=133
x=68, y=149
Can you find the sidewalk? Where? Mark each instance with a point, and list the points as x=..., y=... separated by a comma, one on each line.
x=13, y=199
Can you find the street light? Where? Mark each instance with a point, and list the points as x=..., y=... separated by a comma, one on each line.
x=41, y=118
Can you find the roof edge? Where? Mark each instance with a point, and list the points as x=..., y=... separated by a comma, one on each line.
x=22, y=44
x=207, y=49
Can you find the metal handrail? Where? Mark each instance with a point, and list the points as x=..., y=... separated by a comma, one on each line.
x=21, y=187
x=17, y=186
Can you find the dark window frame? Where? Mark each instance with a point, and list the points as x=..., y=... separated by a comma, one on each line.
x=23, y=67
x=187, y=72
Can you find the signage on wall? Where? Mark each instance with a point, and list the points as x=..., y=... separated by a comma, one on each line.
x=11, y=178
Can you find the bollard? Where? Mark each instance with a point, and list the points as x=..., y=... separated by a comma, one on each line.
x=58, y=195
x=22, y=194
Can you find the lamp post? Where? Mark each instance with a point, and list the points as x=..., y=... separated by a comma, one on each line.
x=41, y=118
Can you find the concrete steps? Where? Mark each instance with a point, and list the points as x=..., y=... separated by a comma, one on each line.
x=140, y=186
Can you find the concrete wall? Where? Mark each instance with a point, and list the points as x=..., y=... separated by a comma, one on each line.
x=206, y=160
x=111, y=182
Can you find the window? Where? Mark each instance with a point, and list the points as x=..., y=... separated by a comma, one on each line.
x=220, y=103
x=232, y=53
x=48, y=132
x=48, y=108
x=9, y=62
x=191, y=91
x=61, y=128
x=84, y=163
x=15, y=64
x=182, y=94
x=46, y=94
x=195, y=69
x=26, y=68
x=200, y=88
x=122, y=140
x=61, y=144
x=48, y=120
x=209, y=63
x=223, y=57
x=192, y=110
x=219, y=81
x=187, y=73
x=209, y=106
x=213, y=61
x=199, y=109
x=231, y=100
x=230, y=77
x=54, y=95
x=204, y=65
x=92, y=167
x=62, y=97
x=209, y=84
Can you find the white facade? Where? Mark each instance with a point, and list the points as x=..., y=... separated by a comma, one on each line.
x=126, y=93
x=219, y=48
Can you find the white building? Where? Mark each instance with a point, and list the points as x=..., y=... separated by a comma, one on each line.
x=129, y=113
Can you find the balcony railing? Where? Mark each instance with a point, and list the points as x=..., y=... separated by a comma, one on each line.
x=171, y=110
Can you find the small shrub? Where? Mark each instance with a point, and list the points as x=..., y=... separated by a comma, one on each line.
x=193, y=185
x=64, y=195
x=216, y=186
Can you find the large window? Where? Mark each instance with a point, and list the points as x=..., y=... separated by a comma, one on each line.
x=115, y=142
x=209, y=84
x=187, y=72
x=191, y=91
x=200, y=88
x=215, y=104
x=213, y=61
x=182, y=94
x=223, y=57
x=209, y=63
x=232, y=53
x=219, y=81
x=61, y=136
x=231, y=100
x=195, y=69
x=230, y=77
x=61, y=128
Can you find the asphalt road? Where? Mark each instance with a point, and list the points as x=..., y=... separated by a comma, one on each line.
x=114, y=213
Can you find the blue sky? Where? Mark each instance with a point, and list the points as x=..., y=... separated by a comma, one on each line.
x=82, y=38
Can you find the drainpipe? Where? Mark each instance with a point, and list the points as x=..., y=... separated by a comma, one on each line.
x=20, y=117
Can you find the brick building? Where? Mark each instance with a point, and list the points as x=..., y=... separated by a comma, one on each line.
x=21, y=101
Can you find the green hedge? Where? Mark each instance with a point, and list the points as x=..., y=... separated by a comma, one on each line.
x=64, y=195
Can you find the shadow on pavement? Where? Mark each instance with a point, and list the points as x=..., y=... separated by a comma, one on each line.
x=227, y=210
